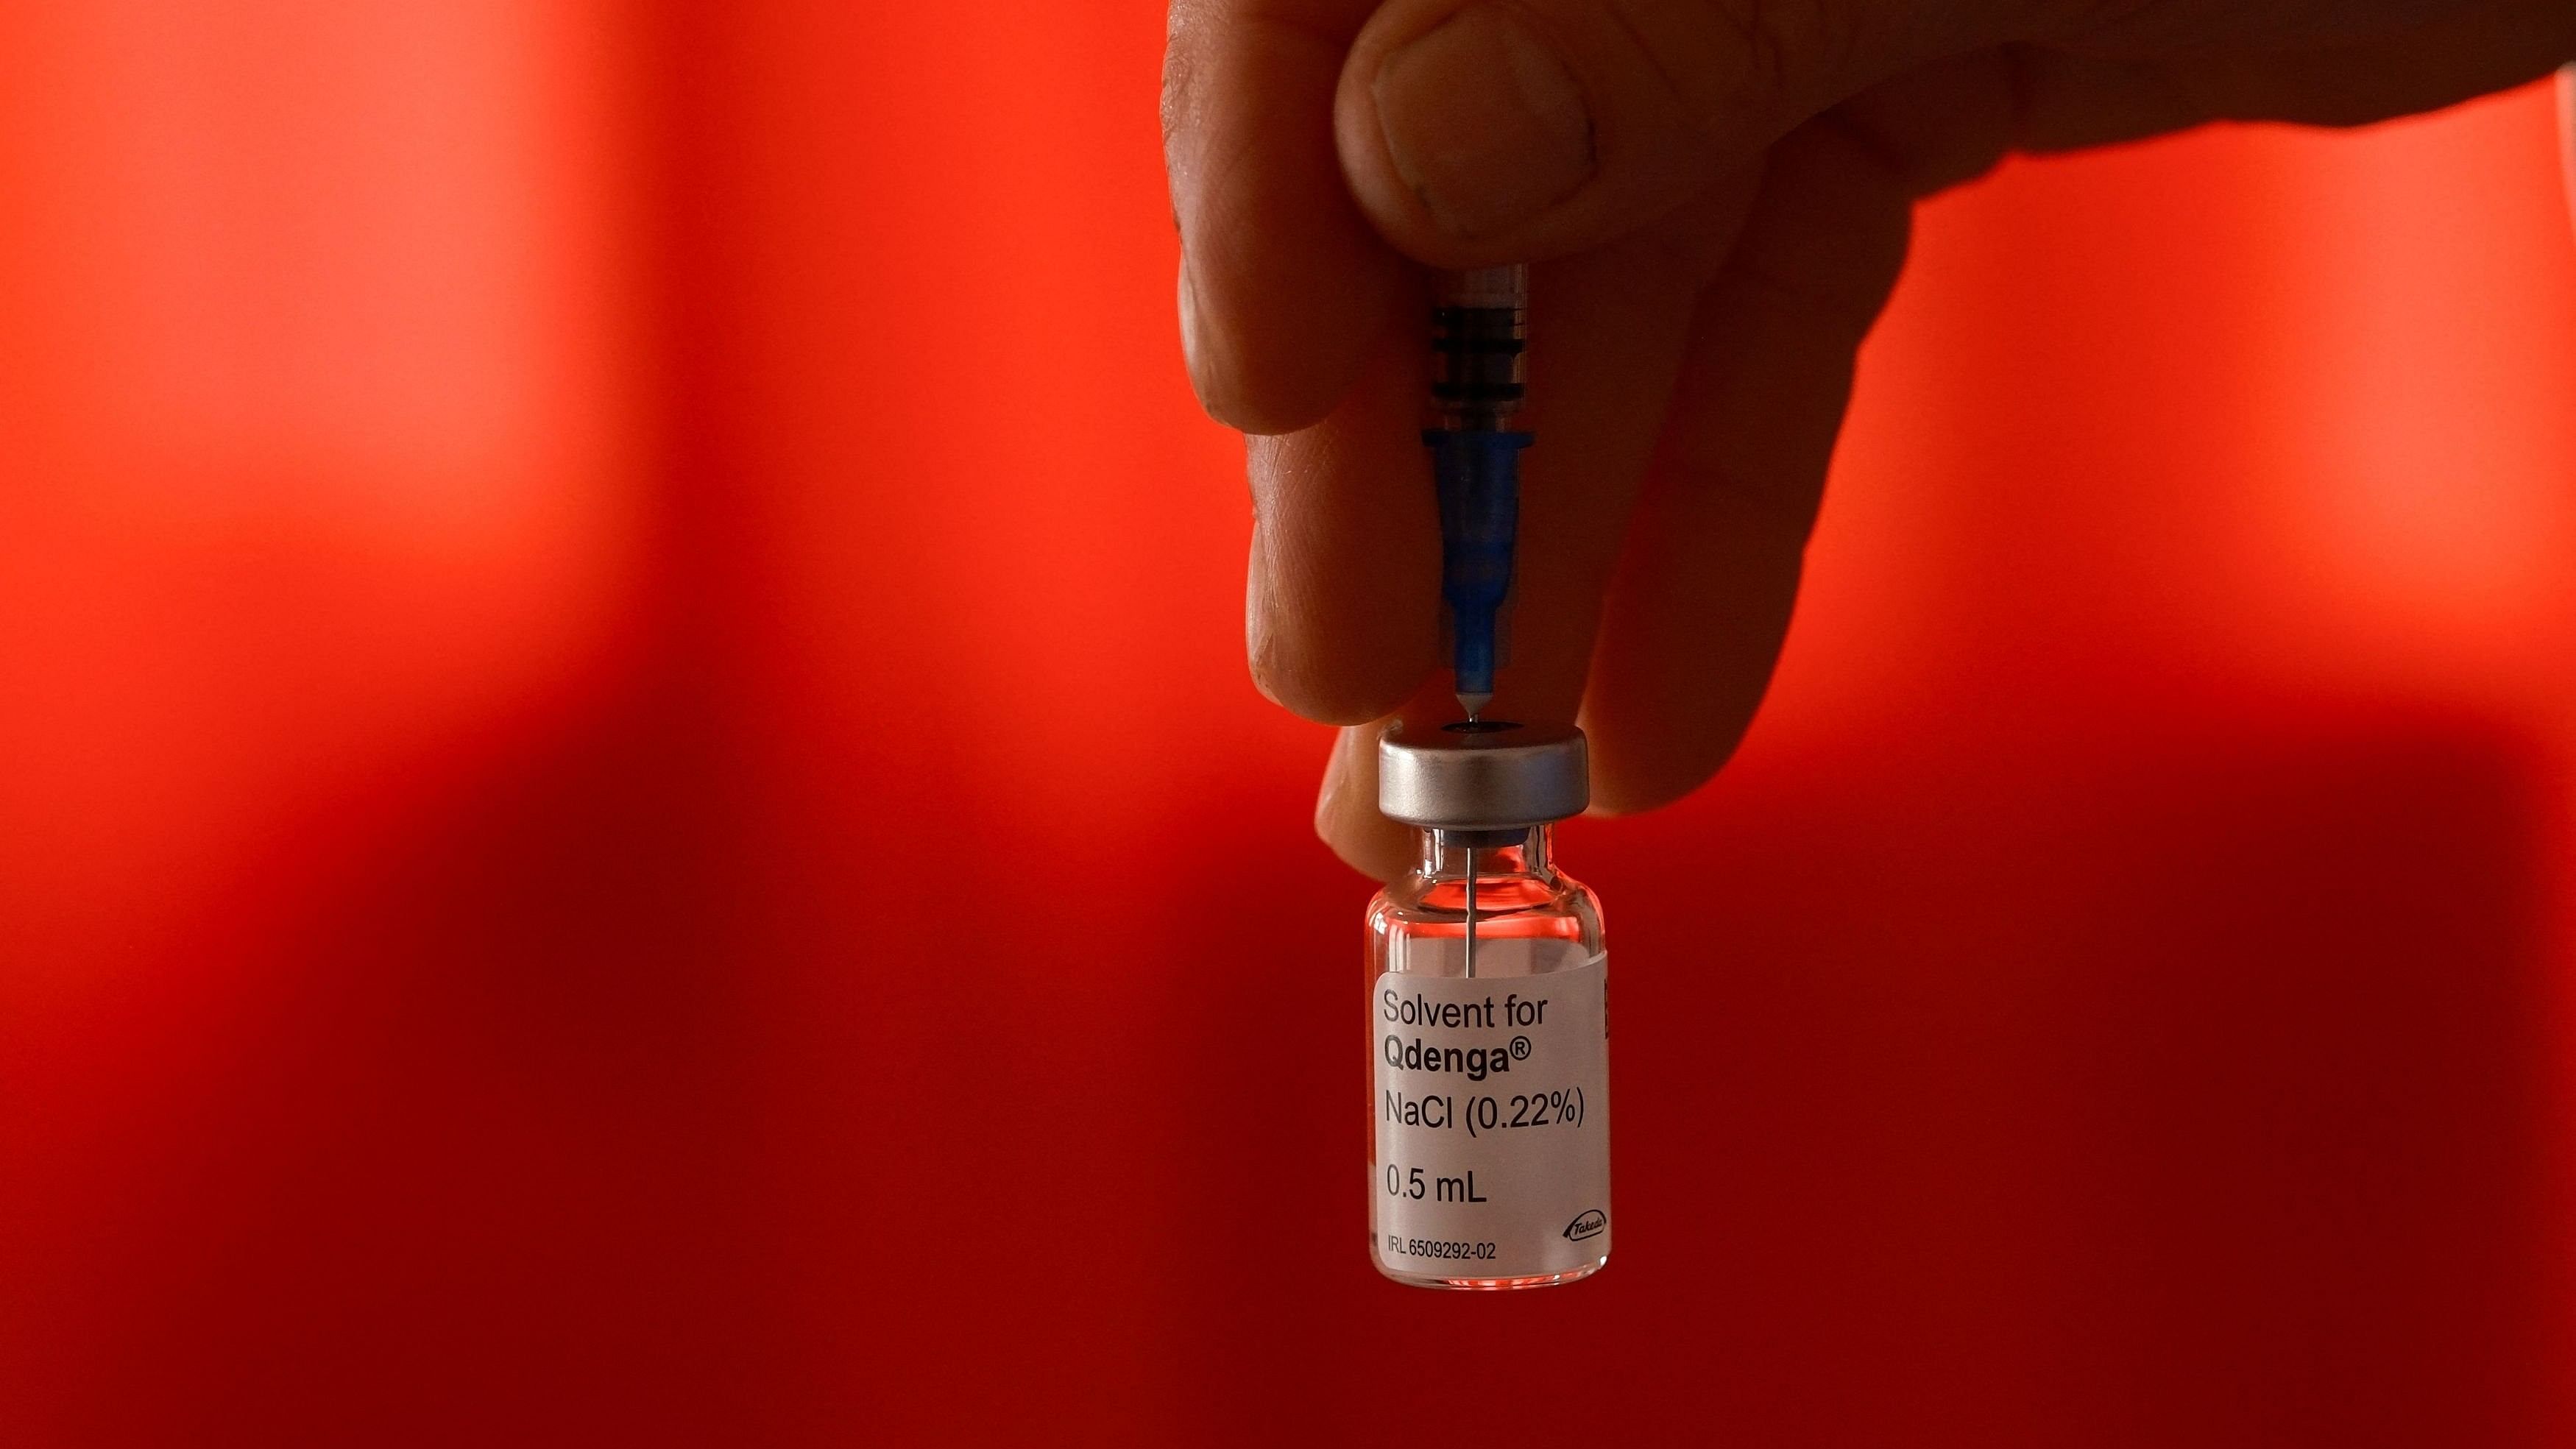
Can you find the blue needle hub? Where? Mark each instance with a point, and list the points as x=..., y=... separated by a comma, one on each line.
x=1478, y=475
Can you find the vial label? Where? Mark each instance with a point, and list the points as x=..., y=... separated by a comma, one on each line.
x=1493, y=1118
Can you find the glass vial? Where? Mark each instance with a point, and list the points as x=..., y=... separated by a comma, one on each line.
x=1488, y=1017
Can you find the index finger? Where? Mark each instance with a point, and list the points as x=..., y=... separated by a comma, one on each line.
x=1283, y=283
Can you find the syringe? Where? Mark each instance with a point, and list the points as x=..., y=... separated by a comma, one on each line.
x=1479, y=327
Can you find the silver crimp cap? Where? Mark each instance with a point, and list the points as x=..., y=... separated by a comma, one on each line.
x=1490, y=778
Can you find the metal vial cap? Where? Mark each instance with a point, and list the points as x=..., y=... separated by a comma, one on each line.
x=1491, y=776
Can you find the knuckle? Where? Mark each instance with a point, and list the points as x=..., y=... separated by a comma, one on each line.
x=1721, y=64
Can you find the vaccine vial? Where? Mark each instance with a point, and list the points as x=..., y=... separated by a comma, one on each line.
x=1488, y=1015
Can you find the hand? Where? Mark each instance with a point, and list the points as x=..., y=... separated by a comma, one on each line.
x=1717, y=193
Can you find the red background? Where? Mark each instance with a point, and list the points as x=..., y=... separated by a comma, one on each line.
x=631, y=811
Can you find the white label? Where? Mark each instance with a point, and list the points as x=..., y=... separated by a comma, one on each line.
x=1493, y=1120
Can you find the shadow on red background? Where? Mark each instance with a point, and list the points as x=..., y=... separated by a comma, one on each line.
x=739, y=893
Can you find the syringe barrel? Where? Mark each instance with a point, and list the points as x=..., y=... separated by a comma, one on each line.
x=1479, y=332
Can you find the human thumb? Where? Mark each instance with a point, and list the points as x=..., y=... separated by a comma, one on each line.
x=1484, y=131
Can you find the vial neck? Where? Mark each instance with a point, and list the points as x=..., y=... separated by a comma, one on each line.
x=1520, y=851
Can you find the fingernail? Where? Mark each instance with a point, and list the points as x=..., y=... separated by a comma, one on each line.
x=1195, y=354
x=1260, y=632
x=1334, y=795
x=1348, y=775
x=1483, y=122
x=1346, y=807
x=1346, y=813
